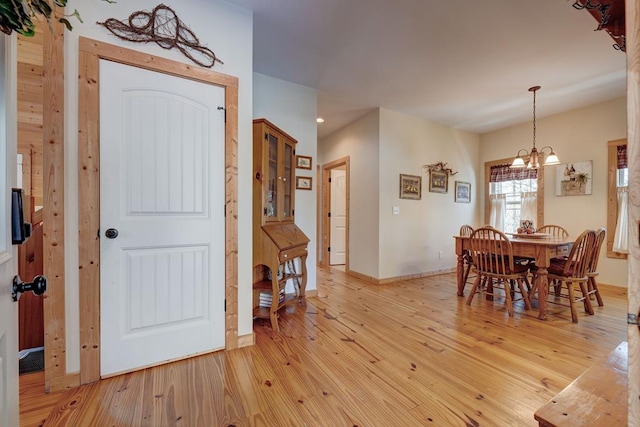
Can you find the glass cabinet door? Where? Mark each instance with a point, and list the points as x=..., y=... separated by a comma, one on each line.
x=287, y=181
x=271, y=201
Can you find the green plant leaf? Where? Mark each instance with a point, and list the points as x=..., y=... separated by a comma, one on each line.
x=16, y=15
x=77, y=15
x=66, y=23
x=41, y=7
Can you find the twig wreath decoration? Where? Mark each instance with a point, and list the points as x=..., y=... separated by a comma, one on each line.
x=163, y=27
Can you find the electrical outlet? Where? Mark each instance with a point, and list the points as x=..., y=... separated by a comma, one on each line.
x=440, y=254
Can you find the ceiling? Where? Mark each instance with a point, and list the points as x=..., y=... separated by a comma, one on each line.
x=467, y=64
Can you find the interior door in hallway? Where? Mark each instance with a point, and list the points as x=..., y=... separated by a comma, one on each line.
x=338, y=217
x=162, y=235
x=8, y=309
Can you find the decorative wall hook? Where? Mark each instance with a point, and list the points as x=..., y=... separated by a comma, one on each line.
x=440, y=166
x=163, y=27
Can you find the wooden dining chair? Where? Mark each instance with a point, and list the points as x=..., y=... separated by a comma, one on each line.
x=570, y=274
x=554, y=230
x=466, y=230
x=592, y=270
x=492, y=260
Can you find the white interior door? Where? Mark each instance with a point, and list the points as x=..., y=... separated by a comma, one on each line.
x=162, y=188
x=338, y=223
x=9, y=413
x=8, y=324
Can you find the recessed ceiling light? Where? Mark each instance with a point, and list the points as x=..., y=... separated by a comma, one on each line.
x=320, y=120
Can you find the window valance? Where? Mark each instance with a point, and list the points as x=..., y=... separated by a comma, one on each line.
x=622, y=156
x=503, y=172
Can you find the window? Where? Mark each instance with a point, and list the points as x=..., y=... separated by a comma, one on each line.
x=512, y=195
x=618, y=193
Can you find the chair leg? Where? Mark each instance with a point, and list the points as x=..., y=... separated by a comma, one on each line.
x=525, y=296
x=474, y=289
x=526, y=280
x=467, y=270
x=594, y=286
x=572, y=302
x=507, y=297
x=534, y=288
x=488, y=283
x=585, y=298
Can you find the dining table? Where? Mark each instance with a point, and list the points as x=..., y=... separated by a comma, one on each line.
x=541, y=248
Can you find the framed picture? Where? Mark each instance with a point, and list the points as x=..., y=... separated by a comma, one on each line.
x=438, y=181
x=574, y=179
x=303, y=162
x=303, y=182
x=410, y=187
x=463, y=192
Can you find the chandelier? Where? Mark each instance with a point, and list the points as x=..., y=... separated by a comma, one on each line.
x=531, y=160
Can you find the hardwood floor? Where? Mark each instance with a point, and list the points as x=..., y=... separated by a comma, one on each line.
x=409, y=353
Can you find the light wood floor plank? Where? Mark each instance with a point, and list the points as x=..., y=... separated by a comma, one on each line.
x=405, y=353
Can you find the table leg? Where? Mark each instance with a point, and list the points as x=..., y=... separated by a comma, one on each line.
x=543, y=292
x=460, y=275
x=303, y=285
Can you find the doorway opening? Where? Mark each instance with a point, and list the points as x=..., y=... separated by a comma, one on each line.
x=335, y=214
x=30, y=178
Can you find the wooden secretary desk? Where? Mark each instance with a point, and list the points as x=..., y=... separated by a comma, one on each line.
x=279, y=246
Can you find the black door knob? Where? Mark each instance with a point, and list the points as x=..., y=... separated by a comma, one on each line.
x=111, y=233
x=38, y=286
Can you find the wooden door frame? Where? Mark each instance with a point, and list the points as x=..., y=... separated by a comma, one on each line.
x=53, y=215
x=632, y=14
x=91, y=52
x=326, y=208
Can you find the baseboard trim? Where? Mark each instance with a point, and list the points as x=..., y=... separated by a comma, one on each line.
x=388, y=280
x=362, y=277
x=64, y=382
x=246, y=340
x=311, y=294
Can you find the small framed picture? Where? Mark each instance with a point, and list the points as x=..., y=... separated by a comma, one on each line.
x=463, y=192
x=410, y=187
x=303, y=162
x=438, y=181
x=303, y=182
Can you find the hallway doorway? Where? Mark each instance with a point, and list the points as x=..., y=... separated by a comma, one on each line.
x=335, y=214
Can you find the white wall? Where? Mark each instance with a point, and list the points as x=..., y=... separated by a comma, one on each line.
x=359, y=141
x=227, y=30
x=575, y=136
x=293, y=108
x=382, y=145
x=411, y=241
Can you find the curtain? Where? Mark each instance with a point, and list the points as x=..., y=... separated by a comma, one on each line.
x=498, y=211
x=620, y=238
x=529, y=207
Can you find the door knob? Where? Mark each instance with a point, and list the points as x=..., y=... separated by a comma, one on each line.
x=38, y=286
x=111, y=233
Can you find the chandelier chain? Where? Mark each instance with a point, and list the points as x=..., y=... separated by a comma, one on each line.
x=534, y=119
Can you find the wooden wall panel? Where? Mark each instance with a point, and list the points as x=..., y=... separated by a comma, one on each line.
x=30, y=110
x=89, y=218
x=30, y=48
